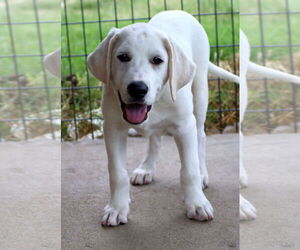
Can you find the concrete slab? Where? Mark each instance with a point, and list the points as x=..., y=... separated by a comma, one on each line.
x=30, y=195
x=273, y=165
x=30, y=205
x=157, y=219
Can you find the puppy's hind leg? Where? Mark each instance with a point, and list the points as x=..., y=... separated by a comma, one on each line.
x=143, y=174
x=200, y=102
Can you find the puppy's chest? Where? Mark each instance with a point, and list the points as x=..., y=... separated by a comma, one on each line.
x=154, y=125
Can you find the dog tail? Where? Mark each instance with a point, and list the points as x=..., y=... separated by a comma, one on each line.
x=268, y=73
x=222, y=73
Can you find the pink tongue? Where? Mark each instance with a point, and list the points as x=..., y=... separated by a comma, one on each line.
x=136, y=113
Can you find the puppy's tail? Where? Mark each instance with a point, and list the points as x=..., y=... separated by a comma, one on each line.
x=222, y=73
x=268, y=73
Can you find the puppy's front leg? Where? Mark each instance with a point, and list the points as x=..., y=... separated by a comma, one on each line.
x=117, y=209
x=197, y=205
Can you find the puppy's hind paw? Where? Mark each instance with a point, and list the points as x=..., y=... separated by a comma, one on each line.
x=141, y=177
x=114, y=217
x=247, y=210
x=203, y=212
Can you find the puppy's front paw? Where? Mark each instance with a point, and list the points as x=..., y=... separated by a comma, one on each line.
x=247, y=210
x=114, y=217
x=141, y=177
x=201, y=211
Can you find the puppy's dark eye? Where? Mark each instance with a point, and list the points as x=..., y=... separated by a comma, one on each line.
x=124, y=57
x=156, y=60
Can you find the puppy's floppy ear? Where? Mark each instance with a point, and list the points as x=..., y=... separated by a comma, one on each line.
x=52, y=63
x=181, y=69
x=99, y=61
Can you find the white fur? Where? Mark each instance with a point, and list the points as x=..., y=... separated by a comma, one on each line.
x=52, y=63
x=262, y=71
x=178, y=94
x=247, y=210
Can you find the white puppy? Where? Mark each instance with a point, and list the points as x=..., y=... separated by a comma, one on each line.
x=155, y=77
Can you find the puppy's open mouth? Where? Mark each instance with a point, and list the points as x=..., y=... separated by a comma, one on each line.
x=135, y=113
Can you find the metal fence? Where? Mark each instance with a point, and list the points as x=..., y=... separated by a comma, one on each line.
x=85, y=24
x=281, y=52
x=89, y=22
x=28, y=95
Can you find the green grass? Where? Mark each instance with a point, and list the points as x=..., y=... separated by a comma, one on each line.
x=25, y=35
x=275, y=33
x=93, y=36
x=31, y=68
x=274, y=26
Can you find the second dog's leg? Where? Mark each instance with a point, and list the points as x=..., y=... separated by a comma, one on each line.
x=143, y=174
x=197, y=205
x=243, y=173
x=247, y=210
x=117, y=209
x=243, y=176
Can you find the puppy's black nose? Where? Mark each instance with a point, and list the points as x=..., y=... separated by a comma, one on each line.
x=137, y=89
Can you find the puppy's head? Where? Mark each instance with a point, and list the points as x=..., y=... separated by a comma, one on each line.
x=137, y=61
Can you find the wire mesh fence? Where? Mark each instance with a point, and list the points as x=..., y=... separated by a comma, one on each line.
x=274, y=37
x=29, y=97
x=86, y=23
